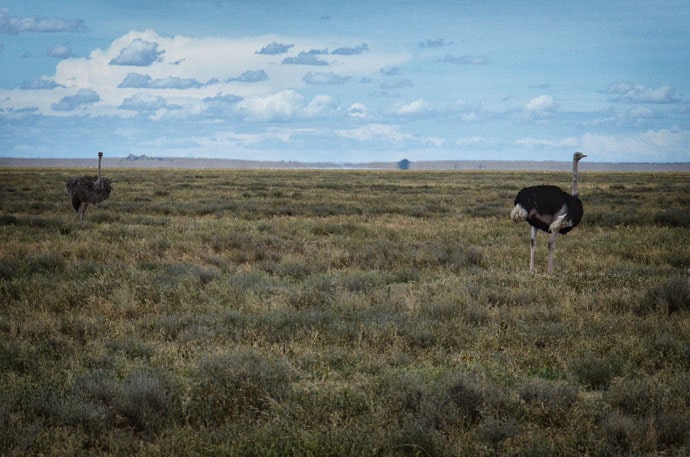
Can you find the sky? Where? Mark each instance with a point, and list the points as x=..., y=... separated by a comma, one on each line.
x=346, y=81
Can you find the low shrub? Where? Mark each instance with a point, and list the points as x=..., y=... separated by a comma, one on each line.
x=596, y=372
x=234, y=385
x=670, y=297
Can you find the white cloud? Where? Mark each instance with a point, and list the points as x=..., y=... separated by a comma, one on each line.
x=636, y=93
x=307, y=58
x=275, y=49
x=674, y=144
x=324, y=78
x=569, y=142
x=13, y=25
x=540, y=104
x=60, y=51
x=357, y=110
x=72, y=102
x=345, y=51
x=279, y=106
x=632, y=147
x=321, y=105
x=138, y=53
x=139, y=81
x=417, y=108
x=389, y=134
x=250, y=76
x=538, y=110
x=186, y=70
x=40, y=84
x=144, y=102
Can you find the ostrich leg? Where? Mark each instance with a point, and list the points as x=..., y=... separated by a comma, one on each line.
x=532, y=247
x=552, y=249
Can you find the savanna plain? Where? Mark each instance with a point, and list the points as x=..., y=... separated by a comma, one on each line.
x=341, y=312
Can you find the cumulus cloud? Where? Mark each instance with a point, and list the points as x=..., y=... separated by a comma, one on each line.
x=416, y=109
x=540, y=104
x=222, y=105
x=144, y=102
x=283, y=105
x=275, y=49
x=72, y=102
x=324, y=78
x=139, y=81
x=636, y=93
x=139, y=53
x=464, y=60
x=351, y=51
x=250, y=76
x=60, y=51
x=306, y=58
x=13, y=25
x=538, y=110
x=357, y=110
x=321, y=105
x=40, y=84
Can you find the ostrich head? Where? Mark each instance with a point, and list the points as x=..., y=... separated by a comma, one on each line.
x=576, y=157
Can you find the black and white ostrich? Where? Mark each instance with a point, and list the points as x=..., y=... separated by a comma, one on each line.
x=88, y=189
x=551, y=209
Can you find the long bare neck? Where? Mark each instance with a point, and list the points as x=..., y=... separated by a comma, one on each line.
x=575, y=191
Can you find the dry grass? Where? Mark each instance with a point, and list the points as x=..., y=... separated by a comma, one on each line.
x=211, y=312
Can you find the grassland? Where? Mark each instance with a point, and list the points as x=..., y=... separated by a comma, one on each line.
x=332, y=313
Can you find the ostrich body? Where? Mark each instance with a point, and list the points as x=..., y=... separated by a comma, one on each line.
x=550, y=209
x=88, y=189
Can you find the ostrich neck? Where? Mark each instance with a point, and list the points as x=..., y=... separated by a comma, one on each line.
x=575, y=191
x=99, y=170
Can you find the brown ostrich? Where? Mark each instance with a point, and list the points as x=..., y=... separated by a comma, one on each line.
x=88, y=189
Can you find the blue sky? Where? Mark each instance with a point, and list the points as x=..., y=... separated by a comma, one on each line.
x=346, y=81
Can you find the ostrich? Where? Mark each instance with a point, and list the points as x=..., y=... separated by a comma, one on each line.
x=551, y=209
x=88, y=189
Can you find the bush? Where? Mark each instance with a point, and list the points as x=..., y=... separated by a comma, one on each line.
x=234, y=385
x=145, y=401
x=596, y=372
x=549, y=402
x=672, y=296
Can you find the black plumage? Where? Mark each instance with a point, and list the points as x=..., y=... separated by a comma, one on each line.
x=550, y=209
x=88, y=189
x=544, y=204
